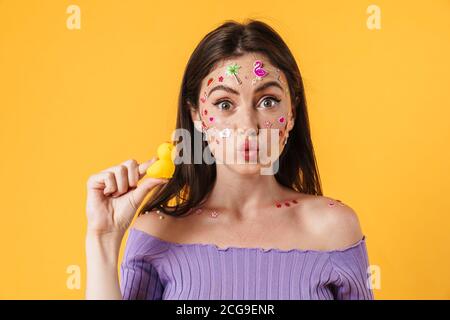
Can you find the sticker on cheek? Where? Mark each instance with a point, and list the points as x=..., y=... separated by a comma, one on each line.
x=203, y=99
x=268, y=124
x=281, y=119
x=225, y=133
x=211, y=119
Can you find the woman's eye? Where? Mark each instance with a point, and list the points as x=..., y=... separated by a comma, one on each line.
x=269, y=102
x=223, y=105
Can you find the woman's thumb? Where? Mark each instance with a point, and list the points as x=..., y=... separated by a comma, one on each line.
x=144, y=188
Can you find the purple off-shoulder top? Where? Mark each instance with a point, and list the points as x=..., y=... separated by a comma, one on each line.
x=156, y=269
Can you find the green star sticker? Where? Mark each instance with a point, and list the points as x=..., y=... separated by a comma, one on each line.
x=232, y=70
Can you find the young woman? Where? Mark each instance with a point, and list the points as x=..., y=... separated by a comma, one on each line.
x=228, y=229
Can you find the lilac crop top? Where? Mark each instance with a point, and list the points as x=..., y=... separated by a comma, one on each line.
x=155, y=269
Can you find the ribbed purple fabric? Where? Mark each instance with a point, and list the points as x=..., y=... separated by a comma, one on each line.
x=155, y=269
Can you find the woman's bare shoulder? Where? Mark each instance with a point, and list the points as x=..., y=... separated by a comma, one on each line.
x=332, y=222
x=154, y=223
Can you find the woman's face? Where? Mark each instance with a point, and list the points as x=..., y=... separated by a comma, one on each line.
x=246, y=112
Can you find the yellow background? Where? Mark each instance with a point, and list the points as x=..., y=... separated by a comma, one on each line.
x=74, y=102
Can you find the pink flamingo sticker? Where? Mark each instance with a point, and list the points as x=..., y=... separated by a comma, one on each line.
x=258, y=69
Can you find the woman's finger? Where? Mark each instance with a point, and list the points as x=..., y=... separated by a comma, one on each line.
x=121, y=176
x=110, y=183
x=104, y=181
x=144, y=166
x=133, y=172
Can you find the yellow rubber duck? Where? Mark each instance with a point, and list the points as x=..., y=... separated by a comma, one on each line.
x=164, y=166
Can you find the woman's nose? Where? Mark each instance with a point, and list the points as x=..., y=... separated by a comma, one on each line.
x=248, y=121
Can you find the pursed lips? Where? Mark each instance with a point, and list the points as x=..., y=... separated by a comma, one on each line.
x=249, y=146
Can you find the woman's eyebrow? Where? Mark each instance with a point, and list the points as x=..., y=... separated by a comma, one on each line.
x=225, y=88
x=260, y=88
x=267, y=85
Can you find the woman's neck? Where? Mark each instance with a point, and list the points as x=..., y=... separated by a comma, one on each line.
x=244, y=194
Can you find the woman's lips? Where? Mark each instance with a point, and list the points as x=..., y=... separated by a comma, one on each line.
x=250, y=154
x=249, y=149
x=249, y=146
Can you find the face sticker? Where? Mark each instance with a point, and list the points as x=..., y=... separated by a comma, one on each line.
x=279, y=76
x=258, y=71
x=232, y=70
x=268, y=124
x=203, y=98
x=286, y=88
x=210, y=81
x=281, y=119
x=220, y=79
x=256, y=80
x=225, y=133
x=204, y=126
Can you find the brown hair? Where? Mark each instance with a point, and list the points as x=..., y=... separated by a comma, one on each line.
x=191, y=183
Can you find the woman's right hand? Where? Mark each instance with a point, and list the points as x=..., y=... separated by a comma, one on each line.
x=113, y=196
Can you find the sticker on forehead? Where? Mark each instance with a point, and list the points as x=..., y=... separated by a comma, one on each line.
x=258, y=71
x=232, y=70
x=286, y=88
x=278, y=74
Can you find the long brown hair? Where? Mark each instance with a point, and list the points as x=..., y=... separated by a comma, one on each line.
x=191, y=183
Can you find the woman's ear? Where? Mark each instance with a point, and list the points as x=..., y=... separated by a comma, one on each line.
x=195, y=116
x=290, y=122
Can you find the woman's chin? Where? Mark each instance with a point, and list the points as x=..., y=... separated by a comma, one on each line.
x=245, y=168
